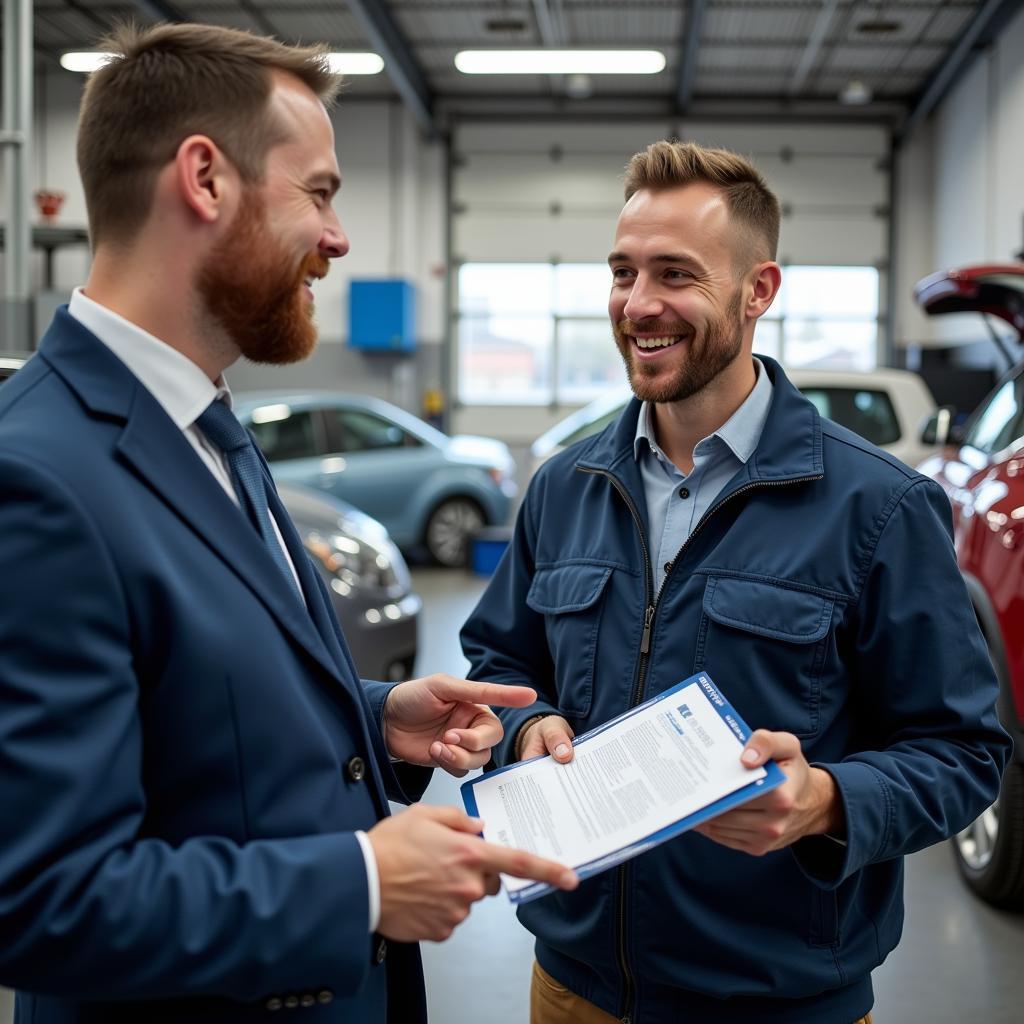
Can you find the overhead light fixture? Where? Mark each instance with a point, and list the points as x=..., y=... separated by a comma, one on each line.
x=355, y=63
x=560, y=62
x=86, y=61
x=855, y=93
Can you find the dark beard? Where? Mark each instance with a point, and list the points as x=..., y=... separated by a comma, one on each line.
x=265, y=312
x=709, y=354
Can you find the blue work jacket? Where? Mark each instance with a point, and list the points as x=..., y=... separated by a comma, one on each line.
x=821, y=593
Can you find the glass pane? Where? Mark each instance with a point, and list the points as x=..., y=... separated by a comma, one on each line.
x=506, y=288
x=588, y=360
x=582, y=288
x=842, y=292
x=505, y=359
x=832, y=344
x=999, y=424
x=767, y=338
x=288, y=435
x=868, y=413
x=363, y=431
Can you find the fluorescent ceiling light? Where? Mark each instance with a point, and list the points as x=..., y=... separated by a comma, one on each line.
x=855, y=93
x=560, y=62
x=85, y=61
x=355, y=63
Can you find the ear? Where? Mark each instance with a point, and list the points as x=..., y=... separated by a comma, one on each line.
x=204, y=177
x=763, y=284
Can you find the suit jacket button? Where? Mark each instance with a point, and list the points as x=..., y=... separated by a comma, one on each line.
x=291, y=1002
x=308, y=999
x=382, y=951
x=355, y=769
x=324, y=996
x=274, y=1003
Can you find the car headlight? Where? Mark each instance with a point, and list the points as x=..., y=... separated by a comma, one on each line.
x=358, y=556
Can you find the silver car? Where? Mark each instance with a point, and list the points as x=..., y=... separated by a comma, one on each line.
x=367, y=578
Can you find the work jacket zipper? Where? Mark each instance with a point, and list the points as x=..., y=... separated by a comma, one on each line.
x=628, y=984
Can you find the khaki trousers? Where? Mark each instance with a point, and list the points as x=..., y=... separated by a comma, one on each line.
x=552, y=1003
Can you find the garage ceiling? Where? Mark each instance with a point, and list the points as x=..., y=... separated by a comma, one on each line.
x=726, y=58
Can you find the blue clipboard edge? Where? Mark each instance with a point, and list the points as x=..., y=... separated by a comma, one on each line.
x=774, y=777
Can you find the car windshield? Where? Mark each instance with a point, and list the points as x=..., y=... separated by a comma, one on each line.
x=865, y=412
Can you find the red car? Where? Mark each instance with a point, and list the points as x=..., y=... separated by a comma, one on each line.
x=981, y=467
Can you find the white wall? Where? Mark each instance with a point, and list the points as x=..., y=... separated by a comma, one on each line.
x=961, y=187
x=391, y=203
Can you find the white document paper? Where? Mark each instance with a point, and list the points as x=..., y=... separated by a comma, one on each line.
x=636, y=781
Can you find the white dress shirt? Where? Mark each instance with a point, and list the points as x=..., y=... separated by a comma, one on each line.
x=184, y=391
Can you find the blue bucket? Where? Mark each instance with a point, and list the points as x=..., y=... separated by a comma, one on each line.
x=487, y=547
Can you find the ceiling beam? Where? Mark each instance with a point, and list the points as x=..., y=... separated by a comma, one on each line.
x=402, y=66
x=982, y=29
x=688, y=55
x=813, y=48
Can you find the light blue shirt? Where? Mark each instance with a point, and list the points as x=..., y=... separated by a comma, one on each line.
x=676, y=500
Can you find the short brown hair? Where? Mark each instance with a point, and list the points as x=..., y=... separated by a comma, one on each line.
x=169, y=82
x=670, y=164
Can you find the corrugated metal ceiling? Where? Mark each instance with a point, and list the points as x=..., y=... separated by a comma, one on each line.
x=748, y=49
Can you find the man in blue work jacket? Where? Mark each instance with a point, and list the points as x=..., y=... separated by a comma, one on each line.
x=721, y=525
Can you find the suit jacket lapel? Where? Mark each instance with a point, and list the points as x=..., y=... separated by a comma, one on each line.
x=319, y=610
x=161, y=456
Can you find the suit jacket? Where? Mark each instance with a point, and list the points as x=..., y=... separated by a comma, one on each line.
x=176, y=733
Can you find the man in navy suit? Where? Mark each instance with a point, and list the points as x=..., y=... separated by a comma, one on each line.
x=193, y=780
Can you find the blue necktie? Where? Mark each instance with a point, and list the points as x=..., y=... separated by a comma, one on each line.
x=219, y=424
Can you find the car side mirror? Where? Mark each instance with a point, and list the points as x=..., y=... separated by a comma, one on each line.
x=938, y=429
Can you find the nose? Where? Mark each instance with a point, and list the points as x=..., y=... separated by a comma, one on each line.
x=333, y=241
x=643, y=301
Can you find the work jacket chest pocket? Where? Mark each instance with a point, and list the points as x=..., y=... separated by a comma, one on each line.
x=570, y=599
x=767, y=642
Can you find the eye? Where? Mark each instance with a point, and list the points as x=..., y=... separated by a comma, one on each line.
x=322, y=195
x=621, y=273
x=678, y=275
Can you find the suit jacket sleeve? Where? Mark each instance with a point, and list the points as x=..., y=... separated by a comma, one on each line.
x=90, y=907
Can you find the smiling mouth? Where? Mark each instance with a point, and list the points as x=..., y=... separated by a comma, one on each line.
x=665, y=341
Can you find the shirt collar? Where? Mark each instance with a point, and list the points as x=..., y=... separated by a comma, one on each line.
x=740, y=432
x=178, y=384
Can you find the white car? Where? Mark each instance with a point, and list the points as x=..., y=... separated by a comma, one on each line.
x=887, y=407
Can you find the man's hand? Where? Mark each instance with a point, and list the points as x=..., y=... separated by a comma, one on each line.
x=433, y=866
x=807, y=803
x=548, y=735
x=441, y=720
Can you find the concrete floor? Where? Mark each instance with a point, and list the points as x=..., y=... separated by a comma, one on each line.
x=959, y=960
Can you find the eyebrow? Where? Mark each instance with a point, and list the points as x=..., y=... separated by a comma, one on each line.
x=668, y=257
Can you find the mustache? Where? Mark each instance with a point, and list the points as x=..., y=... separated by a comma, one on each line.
x=315, y=264
x=656, y=327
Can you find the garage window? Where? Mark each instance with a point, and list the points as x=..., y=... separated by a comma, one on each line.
x=825, y=317
x=534, y=333
x=538, y=333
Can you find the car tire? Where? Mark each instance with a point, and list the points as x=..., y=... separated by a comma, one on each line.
x=450, y=528
x=990, y=851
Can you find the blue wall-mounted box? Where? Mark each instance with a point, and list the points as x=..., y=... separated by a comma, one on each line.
x=382, y=315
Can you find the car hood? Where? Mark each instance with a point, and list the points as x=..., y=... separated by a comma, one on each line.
x=470, y=448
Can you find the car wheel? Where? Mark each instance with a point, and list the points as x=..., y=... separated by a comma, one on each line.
x=990, y=851
x=449, y=529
